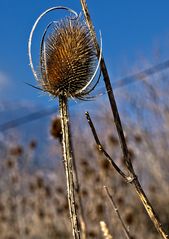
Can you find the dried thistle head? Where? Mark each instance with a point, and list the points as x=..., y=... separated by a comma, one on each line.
x=55, y=129
x=68, y=59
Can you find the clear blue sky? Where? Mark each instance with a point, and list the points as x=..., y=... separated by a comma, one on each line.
x=128, y=28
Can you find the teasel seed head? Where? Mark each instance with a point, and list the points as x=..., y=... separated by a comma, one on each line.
x=68, y=59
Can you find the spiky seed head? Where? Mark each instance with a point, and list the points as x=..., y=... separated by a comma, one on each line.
x=68, y=59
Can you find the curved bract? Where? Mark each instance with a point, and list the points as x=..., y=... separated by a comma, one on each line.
x=68, y=59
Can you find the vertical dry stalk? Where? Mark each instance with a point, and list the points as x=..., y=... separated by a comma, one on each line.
x=119, y=128
x=118, y=213
x=67, y=155
x=83, y=225
x=109, y=89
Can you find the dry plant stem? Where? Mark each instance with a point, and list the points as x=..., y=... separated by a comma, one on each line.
x=108, y=88
x=133, y=180
x=119, y=128
x=67, y=156
x=101, y=149
x=79, y=198
x=117, y=212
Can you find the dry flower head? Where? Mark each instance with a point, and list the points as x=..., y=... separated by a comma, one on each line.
x=68, y=58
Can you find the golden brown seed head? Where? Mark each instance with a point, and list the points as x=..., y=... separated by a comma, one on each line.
x=68, y=59
x=55, y=129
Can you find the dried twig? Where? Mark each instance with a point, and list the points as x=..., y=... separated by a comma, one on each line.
x=117, y=212
x=80, y=204
x=110, y=93
x=120, y=132
x=100, y=148
x=67, y=154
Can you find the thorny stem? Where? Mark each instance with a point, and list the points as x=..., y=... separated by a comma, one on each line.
x=117, y=212
x=120, y=131
x=67, y=157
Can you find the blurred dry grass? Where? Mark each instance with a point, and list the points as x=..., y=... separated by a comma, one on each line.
x=33, y=204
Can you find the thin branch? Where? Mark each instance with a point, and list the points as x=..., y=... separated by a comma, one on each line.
x=67, y=155
x=79, y=198
x=120, y=131
x=110, y=93
x=100, y=147
x=117, y=212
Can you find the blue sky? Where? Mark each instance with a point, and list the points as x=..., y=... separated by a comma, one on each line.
x=129, y=29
